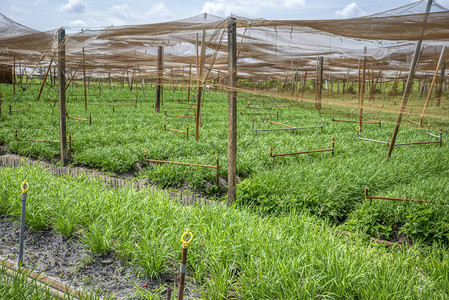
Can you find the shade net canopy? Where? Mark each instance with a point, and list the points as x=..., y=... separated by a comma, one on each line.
x=272, y=48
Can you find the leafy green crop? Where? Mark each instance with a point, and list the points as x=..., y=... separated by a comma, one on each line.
x=331, y=188
x=235, y=253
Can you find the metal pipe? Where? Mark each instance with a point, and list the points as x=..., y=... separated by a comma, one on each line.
x=176, y=116
x=303, y=152
x=183, y=271
x=294, y=153
x=218, y=172
x=351, y=121
x=25, y=188
x=398, y=199
x=257, y=107
x=293, y=128
x=179, y=163
x=34, y=140
x=21, y=109
x=169, y=291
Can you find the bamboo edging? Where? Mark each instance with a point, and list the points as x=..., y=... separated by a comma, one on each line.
x=54, y=287
x=217, y=166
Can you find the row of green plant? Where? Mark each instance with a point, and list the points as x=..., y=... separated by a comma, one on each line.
x=332, y=188
x=235, y=253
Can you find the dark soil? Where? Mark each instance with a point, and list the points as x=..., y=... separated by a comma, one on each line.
x=69, y=261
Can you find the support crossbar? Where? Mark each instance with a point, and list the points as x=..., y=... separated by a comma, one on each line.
x=216, y=167
x=21, y=109
x=304, y=152
x=283, y=129
x=16, y=137
x=397, y=199
x=440, y=139
x=175, y=130
x=176, y=116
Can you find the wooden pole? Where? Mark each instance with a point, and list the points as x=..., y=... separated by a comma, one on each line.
x=362, y=91
x=359, y=82
x=408, y=87
x=304, y=85
x=440, y=86
x=431, y=85
x=84, y=81
x=160, y=73
x=200, y=86
x=232, y=110
x=44, y=80
x=190, y=82
x=14, y=75
x=62, y=106
x=20, y=74
x=319, y=82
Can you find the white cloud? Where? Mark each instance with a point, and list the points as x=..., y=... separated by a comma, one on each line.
x=160, y=12
x=248, y=7
x=122, y=14
x=78, y=23
x=350, y=11
x=74, y=6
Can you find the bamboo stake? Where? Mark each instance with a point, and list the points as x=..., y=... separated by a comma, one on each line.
x=431, y=86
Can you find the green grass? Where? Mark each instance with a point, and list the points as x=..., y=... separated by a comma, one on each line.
x=235, y=253
x=331, y=188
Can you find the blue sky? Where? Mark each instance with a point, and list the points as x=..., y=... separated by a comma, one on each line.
x=51, y=14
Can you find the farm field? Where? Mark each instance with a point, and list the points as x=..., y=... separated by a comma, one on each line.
x=264, y=144
x=235, y=252
x=325, y=186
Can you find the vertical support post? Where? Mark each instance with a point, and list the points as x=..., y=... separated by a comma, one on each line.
x=304, y=85
x=232, y=110
x=190, y=81
x=431, y=85
x=14, y=75
x=200, y=86
x=24, y=187
x=409, y=85
x=84, y=81
x=160, y=72
x=218, y=172
x=362, y=91
x=440, y=86
x=183, y=271
x=319, y=82
x=62, y=106
x=44, y=80
x=359, y=82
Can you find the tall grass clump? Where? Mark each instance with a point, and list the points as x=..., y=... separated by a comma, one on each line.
x=236, y=253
